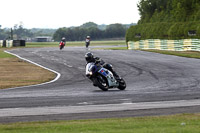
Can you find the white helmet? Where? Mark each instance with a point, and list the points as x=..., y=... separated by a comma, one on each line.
x=63, y=38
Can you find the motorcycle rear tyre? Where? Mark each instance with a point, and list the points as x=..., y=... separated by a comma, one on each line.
x=61, y=47
x=122, y=84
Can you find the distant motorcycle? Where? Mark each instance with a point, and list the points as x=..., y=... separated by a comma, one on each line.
x=61, y=45
x=104, y=79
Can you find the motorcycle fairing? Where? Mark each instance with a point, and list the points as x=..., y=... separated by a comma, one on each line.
x=109, y=76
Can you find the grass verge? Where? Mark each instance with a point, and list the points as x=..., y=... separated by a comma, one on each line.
x=185, y=123
x=75, y=43
x=15, y=72
x=189, y=54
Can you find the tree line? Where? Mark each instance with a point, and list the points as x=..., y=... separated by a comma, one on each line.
x=19, y=32
x=96, y=32
x=79, y=33
x=166, y=19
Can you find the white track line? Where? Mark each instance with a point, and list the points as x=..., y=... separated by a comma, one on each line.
x=9, y=112
x=57, y=73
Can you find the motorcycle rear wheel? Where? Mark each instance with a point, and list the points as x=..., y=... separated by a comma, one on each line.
x=61, y=47
x=122, y=84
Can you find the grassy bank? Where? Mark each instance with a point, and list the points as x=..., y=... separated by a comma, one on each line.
x=185, y=123
x=15, y=72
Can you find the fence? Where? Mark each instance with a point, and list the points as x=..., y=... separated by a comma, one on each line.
x=173, y=45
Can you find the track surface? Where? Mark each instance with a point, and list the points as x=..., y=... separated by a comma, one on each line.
x=151, y=78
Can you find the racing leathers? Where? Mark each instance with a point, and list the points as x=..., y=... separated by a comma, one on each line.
x=87, y=42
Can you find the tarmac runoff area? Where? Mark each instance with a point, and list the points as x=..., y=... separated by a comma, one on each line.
x=10, y=112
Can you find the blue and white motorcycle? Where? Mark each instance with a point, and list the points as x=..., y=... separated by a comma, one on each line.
x=104, y=79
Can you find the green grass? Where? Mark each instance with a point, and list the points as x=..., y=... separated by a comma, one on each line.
x=77, y=43
x=5, y=55
x=113, y=48
x=185, y=123
x=189, y=54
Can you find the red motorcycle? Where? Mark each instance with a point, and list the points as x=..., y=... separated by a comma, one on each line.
x=62, y=45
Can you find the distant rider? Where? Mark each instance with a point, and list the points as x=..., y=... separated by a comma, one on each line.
x=87, y=41
x=91, y=60
x=62, y=43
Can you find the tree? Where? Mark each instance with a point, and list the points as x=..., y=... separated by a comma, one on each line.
x=61, y=32
x=90, y=29
x=89, y=25
x=115, y=30
x=168, y=10
x=20, y=32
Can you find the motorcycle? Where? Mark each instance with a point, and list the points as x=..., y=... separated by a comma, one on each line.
x=104, y=78
x=61, y=45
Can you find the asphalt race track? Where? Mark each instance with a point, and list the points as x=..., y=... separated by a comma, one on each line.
x=156, y=85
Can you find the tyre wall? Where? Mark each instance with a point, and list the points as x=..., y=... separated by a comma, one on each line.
x=12, y=43
x=173, y=45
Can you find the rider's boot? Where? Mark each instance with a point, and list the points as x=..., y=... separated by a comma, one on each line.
x=93, y=81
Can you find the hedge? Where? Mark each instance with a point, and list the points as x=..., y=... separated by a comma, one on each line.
x=163, y=30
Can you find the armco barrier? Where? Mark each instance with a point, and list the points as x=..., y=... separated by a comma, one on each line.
x=173, y=45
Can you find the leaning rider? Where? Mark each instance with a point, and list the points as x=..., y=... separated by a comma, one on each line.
x=62, y=43
x=91, y=60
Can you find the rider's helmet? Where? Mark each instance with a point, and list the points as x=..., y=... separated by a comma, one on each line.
x=88, y=37
x=63, y=39
x=89, y=57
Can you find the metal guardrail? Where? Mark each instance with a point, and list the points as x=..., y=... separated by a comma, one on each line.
x=173, y=45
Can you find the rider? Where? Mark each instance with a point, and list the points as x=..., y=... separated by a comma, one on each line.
x=87, y=41
x=91, y=60
x=62, y=43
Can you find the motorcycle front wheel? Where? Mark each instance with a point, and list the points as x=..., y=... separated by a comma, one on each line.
x=61, y=47
x=101, y=82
